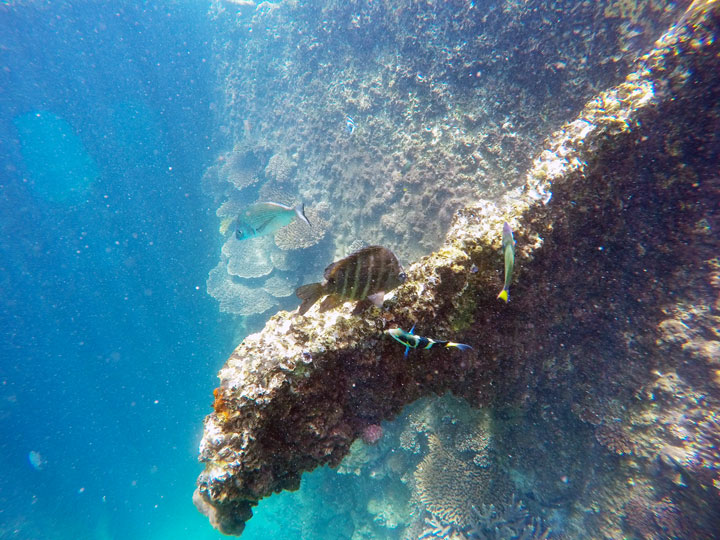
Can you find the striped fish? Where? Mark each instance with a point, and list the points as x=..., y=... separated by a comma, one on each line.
x=367, y=273
x=411, y=341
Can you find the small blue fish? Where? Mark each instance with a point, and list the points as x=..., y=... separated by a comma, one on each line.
x=349, y=124
x=264, y=218
x=411, y=341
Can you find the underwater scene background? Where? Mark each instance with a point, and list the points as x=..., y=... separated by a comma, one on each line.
x=135, y=134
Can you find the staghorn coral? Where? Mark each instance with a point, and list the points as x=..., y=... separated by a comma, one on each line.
x=511, y=521
x=298, y=235
x=447, y=485
x=435, y=528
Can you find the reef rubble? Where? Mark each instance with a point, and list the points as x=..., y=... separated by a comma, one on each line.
x=612, y=328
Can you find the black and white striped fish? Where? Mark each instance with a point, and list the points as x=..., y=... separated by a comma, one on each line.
x=367, y=273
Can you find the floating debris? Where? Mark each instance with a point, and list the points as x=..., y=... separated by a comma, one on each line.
x=36, y=460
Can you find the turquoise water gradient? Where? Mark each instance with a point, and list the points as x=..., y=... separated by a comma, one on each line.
x=58, y=166
x=109, y=344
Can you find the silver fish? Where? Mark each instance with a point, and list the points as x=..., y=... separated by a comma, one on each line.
x=264, y=218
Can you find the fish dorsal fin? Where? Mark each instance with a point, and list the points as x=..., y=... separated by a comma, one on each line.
x=367, y=249
x=354, y=255
x=261, y=214
x=300, y=213
x=329, y=269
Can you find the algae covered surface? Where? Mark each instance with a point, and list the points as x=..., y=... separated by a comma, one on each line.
x=586, y=408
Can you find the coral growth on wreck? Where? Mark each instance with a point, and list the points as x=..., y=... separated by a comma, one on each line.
x=591, y=395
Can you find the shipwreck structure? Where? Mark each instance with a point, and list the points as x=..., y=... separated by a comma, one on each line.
x=610, y=340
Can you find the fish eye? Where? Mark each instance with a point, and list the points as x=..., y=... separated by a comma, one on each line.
x=402, y=276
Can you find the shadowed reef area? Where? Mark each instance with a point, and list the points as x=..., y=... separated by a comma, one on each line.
x=602, y=375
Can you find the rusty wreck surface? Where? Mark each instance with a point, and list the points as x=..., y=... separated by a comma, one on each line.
x=296, y=395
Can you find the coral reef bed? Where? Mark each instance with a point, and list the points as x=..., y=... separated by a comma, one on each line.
x=602, y=371
x=448, y=99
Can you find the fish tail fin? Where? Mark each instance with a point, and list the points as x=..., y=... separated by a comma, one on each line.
x=503, y=294
x=461, y=346
x=309, y=294
x=300, y=213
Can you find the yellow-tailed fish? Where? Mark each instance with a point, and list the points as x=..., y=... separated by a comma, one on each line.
x=411, y=341
x=508, y=247
x=264, y=218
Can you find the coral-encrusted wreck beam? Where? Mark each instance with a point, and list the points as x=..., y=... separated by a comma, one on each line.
x=297, y=394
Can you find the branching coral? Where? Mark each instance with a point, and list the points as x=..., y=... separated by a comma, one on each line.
x=447, y=485
x=511, y=521
x=435, y=528
x=302, y=390
x=274, y=192
x=476, y=440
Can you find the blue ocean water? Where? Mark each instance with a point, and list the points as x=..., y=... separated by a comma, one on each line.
x=109, y=344
x=110, y=339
